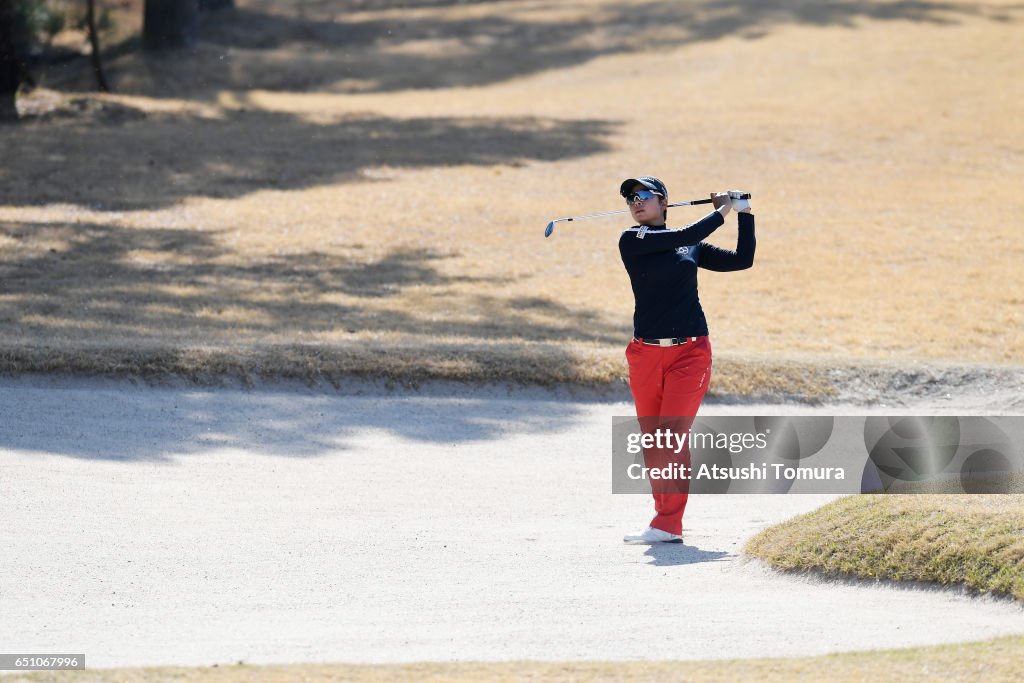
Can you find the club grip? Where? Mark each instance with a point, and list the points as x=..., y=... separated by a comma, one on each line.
x=732, y=195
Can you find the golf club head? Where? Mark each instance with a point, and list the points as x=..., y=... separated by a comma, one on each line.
x=550, y=229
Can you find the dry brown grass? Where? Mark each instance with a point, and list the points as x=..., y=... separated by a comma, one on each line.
x=996, y=660
x=316, y=190
x=973, y=541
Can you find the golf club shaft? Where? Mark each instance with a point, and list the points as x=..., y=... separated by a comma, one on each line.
x=551, y=226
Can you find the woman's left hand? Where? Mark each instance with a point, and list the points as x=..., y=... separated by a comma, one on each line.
x=722, y=202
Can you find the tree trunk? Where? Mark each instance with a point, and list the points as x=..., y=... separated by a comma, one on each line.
x=9, y=71
x=169, y=24
x=94, y=41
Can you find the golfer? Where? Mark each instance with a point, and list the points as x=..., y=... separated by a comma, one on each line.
x=670, y=356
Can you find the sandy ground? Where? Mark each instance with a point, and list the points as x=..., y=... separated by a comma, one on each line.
x=176, y=525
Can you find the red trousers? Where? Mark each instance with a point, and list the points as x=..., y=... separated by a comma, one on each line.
x=668, y=381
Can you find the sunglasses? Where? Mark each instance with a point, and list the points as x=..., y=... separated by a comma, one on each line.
x=641, y=196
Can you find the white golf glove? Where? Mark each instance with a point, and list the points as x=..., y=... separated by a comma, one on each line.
x=740, y=204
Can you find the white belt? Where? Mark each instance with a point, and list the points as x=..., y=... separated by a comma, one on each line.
x=667, y=341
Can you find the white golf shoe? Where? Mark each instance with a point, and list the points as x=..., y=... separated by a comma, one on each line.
x=650, y=536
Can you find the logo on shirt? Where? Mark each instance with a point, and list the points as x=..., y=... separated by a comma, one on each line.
x=682, y=251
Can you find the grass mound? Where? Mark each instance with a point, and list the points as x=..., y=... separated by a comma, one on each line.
x=972, y=541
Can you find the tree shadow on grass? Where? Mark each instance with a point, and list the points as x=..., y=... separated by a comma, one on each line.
x=324, y=46
x=189, y=288
x=160, y=159
x=89, y=296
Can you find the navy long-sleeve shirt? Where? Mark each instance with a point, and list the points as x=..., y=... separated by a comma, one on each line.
x=662, y=265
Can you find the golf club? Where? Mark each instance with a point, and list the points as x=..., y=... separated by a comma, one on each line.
x=551, y=226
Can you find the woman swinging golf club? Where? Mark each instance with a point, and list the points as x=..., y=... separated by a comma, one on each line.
x=670, y=356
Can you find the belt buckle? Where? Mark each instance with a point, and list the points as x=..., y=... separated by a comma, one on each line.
x=666, y=342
